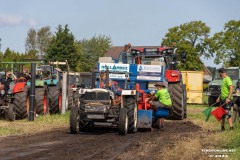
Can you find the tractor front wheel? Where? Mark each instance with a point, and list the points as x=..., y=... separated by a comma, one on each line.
x=76, y=98
x=123, y=122
x=11, y=113
x=131, y=105
x=74, y=120
x=70, y=98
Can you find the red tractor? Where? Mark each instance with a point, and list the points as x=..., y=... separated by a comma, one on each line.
x=151, y=65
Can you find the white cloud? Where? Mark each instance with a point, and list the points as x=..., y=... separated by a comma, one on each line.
x=10, y=20
x=32, y=23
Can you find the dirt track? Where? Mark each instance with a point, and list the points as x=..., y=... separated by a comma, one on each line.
x=106, y=144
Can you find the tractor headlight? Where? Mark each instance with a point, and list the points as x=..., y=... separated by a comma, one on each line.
x=2, y=92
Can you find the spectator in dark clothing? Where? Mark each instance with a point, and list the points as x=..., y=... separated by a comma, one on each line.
x=25, y=74
x=6, y=80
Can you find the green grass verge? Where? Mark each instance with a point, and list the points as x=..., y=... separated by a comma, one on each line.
x=41, y=123
x=222, y=140
x=8, y=131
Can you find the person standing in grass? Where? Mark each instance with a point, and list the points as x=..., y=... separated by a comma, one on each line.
x=225, y=97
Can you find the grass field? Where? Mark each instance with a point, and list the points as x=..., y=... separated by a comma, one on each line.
x=226, y=139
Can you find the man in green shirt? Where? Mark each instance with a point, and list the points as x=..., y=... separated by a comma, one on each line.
x=225, y=97
x=163, y=96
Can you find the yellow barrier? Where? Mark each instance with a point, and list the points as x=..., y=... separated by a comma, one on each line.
x=194, y=86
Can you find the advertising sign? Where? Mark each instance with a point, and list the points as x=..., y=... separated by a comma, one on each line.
x=115, y=68
x=149, y=72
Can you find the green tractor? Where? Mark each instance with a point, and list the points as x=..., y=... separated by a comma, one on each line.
x=48, y=88
x=214, y=87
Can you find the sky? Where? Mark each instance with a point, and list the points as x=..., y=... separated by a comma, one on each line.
x=139, y=22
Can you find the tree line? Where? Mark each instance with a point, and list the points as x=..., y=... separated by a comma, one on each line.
x=192, y=37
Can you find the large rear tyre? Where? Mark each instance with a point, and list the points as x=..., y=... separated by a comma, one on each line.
x=123, y=122
x=11, y=113
x=177, y=96
x=54, y=93
x=74, y=120
x=131, y=105
x=41, y=101
x=21, y=103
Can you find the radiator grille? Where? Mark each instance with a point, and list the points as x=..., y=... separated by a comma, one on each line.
x=97, y=96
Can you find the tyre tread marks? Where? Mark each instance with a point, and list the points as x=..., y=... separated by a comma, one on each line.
x=70, y=98
x=76, y=98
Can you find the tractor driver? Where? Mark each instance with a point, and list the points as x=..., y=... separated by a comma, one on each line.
x=163, y=96
x=103, y=81
x=6, y=80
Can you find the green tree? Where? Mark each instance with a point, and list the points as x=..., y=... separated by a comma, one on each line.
x=30, y=43
x=38, y=41
x=62, y=47
x=189, y=37
x=90, y=50
x=226, y=44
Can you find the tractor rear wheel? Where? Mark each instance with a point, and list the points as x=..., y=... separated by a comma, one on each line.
x=21, y=103
x=11, y=113
x=131, y=105
x=74, y=120
x=123, y=122
x=41, y=101
x=54, y=99
x=177, y=96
